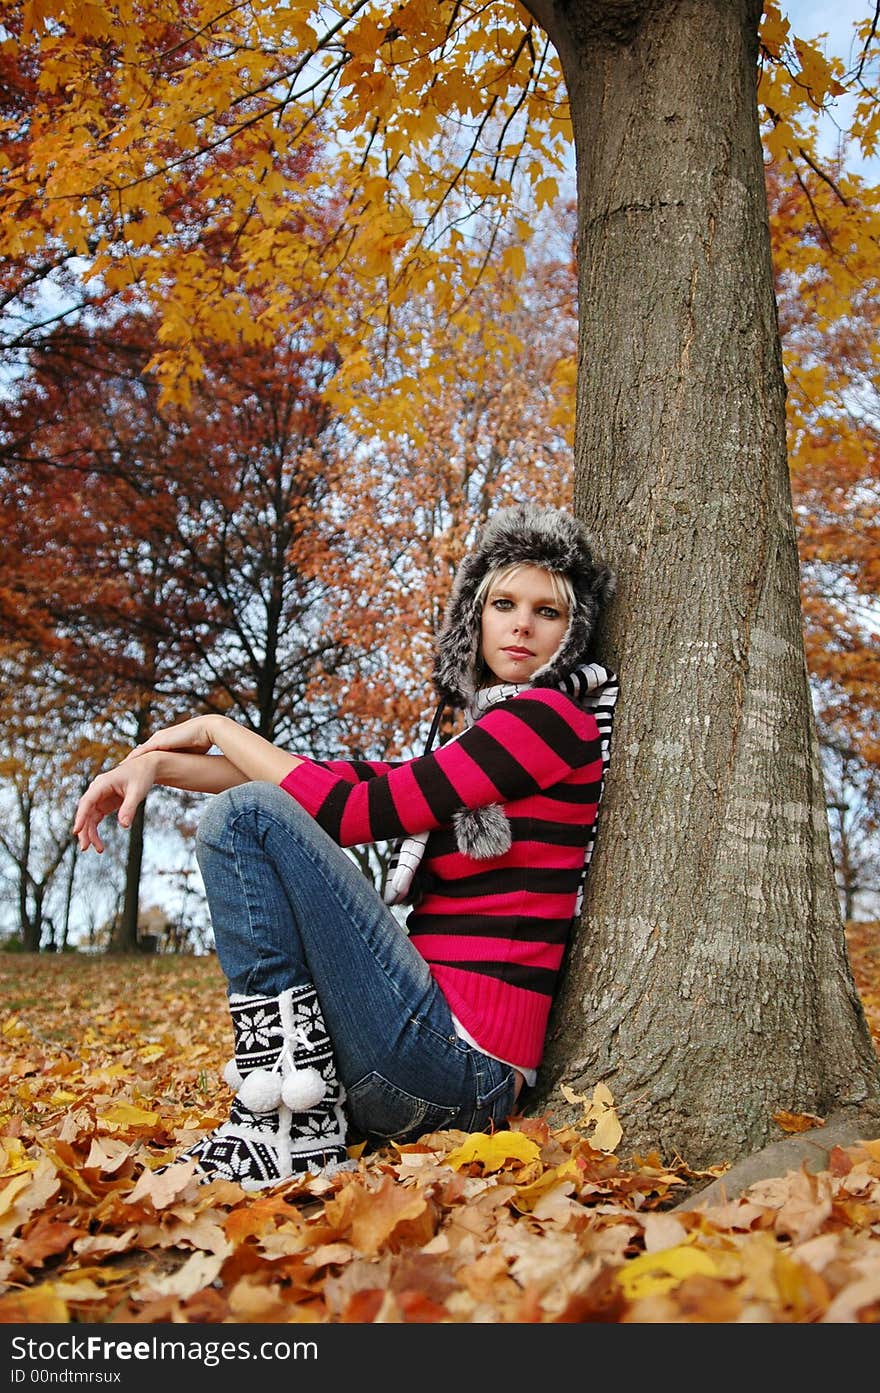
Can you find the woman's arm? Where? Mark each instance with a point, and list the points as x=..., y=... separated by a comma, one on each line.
x=520, y=747
x=249, y=753
x=178, y=757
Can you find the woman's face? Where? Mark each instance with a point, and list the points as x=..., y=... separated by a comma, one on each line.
x=522, y=624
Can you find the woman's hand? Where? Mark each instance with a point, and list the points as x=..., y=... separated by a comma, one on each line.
x=249, y=755
x=121, y=791
x=195, y=737
x=177, y=757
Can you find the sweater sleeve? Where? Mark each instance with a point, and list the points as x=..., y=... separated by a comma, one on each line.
x=354, y=771
x=523, y=745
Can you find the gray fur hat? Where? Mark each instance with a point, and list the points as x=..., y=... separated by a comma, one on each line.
x=524, y=534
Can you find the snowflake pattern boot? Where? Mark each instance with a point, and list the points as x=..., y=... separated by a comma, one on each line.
x=287, y=1118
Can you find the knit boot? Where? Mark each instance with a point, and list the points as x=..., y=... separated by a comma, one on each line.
x=287, y=1117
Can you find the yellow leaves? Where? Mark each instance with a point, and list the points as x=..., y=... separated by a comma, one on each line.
x=797, y=82
x=519, y=1157
x=358, y=367
x=293, y=26
x=13, y=1158
x=493, y=1152
x=26, y=1194
x=62, y=1095
x=11, y=1190
x=801, y=1290
x=374, y=94
x=599, y=1113
x=148, y=229
x=560, y=1179
x=53, y=76
x=659, y=1272
x=127, y=1116
x=813, y=81
x=559, y=125
x=457, y=89
x=817, y=74
x=34, y=15
x=41, y=1305
x=228, y=133
x=866, y=125
x=95, y=20
x=115, y=275
x=774, y=29
x=825, y=224
x=546, y=192
x=514, y=260
x=364, y=39
x=374, y=193
x=126, y=144
x=871, y=1147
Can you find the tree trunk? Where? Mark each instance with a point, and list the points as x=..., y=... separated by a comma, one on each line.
x=30, y=920
x=68, y=896
x=124, y=938
x=30, y=924
x=708, y=984
x=124, y=935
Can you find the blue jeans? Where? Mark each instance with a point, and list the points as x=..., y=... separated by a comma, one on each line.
x=288, y=906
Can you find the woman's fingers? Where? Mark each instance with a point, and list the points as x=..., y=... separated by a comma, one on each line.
x=92, y=809
x=120, y=790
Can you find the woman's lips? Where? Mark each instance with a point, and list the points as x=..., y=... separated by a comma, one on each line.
x=520, y=652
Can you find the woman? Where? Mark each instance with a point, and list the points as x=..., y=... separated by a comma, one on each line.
x=340, y=1017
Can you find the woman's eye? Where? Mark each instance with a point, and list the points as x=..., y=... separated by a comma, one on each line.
x=502, y=604
x=549, y=613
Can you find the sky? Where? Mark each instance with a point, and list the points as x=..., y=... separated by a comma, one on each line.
x=810, y=18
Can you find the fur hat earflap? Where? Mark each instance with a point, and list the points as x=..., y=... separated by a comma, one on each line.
x=524, y=534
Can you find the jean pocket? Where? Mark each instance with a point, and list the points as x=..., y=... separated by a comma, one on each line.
x=384, y=1112
x=495, y=1094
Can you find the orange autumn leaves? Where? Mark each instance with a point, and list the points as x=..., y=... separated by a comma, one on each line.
x=104, y=1069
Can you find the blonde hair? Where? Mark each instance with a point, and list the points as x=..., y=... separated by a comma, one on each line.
x=563, y=591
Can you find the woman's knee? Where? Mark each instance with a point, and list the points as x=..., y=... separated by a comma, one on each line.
x=254, y=797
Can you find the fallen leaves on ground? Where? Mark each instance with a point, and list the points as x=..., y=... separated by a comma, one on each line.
x=105, y=1065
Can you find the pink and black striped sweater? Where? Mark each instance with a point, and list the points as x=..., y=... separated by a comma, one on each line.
x=492, y=931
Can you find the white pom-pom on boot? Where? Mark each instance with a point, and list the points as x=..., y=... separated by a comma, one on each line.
x=303, y=1089
x=261, y=1091
x=232, y=1075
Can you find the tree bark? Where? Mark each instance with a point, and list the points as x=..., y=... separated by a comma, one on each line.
x=708, y=983
x=124, y=938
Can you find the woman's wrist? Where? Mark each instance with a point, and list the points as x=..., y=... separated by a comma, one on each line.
x=213, y=726
x=155, y=761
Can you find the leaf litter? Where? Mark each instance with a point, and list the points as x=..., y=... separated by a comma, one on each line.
x=107, y=1064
